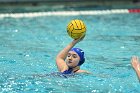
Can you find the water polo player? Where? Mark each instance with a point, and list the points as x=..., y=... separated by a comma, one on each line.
x=70, y=59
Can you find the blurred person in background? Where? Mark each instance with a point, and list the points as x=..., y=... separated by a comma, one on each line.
x=136, y=65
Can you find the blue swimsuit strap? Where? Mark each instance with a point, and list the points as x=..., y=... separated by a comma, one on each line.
x=71, y=70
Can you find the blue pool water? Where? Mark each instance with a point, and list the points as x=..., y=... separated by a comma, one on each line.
x=28, y=47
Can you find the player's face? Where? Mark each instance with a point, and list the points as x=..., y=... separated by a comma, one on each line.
x=72, y=59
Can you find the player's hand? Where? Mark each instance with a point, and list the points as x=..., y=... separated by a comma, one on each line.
x=79, y=39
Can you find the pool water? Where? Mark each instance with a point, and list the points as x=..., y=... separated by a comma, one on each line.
x=29, y=47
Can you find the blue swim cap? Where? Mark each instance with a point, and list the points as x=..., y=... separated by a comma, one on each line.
x=80, y=52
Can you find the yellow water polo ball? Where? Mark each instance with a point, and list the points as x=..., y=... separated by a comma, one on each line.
x=76, y=28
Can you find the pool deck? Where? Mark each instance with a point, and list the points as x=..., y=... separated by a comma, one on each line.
x=71, y=2
x=54, y=5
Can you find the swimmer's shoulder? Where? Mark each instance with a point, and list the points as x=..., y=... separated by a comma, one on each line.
x=83, y=71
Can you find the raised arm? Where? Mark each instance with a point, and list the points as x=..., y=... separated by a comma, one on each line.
x=136, y=65
x=60, y=58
